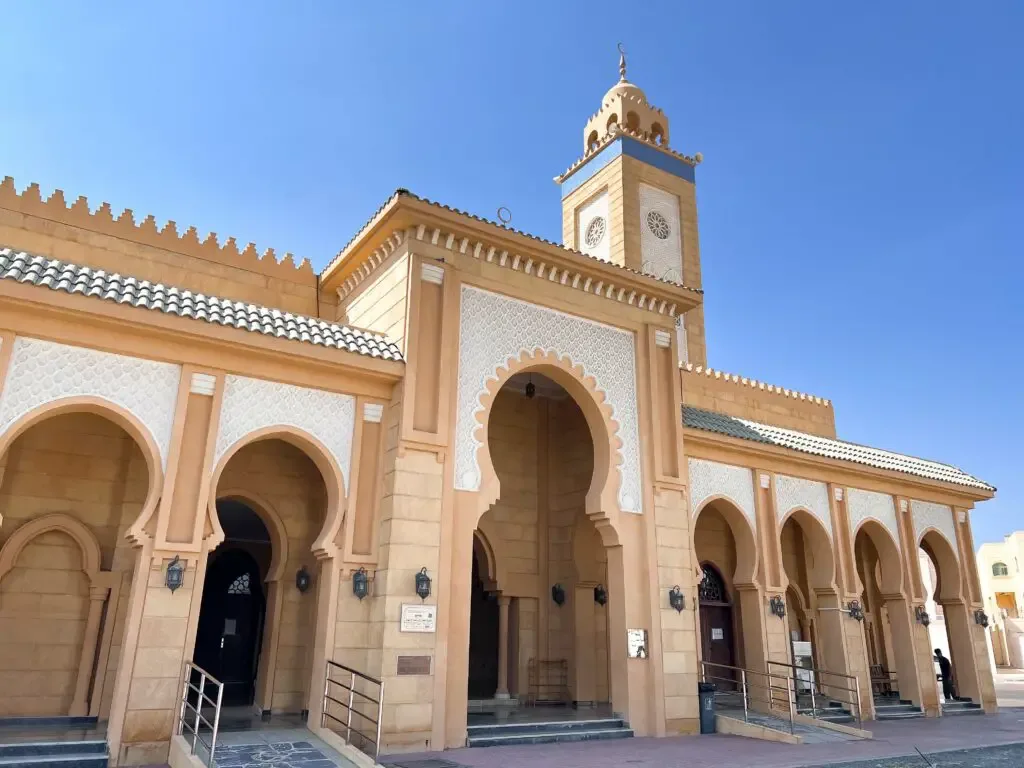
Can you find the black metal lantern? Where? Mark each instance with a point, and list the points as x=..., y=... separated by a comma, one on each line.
x=423, y=584
x=558, y=594
x=600, y=595
x=855, y=610
x=922, y=617
x=531, y=388
x=981, y=619
x=676, y=599
x=777, y=606
x=302, y=579
x=175, y=575
x=360, y=583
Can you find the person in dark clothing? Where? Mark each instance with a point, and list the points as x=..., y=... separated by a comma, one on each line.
x=945, y=674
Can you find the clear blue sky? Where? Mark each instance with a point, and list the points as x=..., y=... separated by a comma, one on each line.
x=861, y=200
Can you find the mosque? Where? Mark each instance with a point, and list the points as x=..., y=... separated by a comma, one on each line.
x=461, y=472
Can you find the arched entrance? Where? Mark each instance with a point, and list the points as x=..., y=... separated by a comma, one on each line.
x=728, y=598
x=73, y=477
x=273, y=505
x=540, y=590
x=231, y=617
x=810, y=570
x=888, y=626
x=951, y=626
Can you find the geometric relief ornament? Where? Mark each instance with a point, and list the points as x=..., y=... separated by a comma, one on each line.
x=41, y=372
x=792, y=492
x=709, y=478
x=253, y=404
x=494, y=328
x=869, y=505
x=927, y=514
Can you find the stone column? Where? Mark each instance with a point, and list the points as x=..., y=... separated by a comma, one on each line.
x=503, y=603
x=80, y=704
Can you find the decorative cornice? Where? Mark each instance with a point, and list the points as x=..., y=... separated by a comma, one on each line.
x=699, y=370
x=499, y=230
x=616, y=132
x=577, y=279
x=102, y=220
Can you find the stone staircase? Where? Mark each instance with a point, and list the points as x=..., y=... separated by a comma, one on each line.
x=961, y=707
x=52, y=742
x=895, y=708
x=547, y=732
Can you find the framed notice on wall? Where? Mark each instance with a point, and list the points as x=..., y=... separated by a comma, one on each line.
x=418, y=618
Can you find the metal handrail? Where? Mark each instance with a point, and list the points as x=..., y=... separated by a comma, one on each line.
x=813, y=678
x=353, y=675
x=201, y=698
x=754, y=681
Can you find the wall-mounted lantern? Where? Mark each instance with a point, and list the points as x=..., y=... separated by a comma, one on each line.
x=423, y=584
x=676, y=599
x=981, y=619
x=921, y=616
x=175, y=575
x=360, y=583
x=558, y=594
x=855, y=609
x=302, y=579
x=777, y=606
x=600, y=595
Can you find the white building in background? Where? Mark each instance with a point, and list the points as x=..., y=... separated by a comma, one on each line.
x=1002, y=588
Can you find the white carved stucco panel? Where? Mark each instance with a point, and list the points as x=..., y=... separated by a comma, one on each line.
x=662, y=256
x=870, y=505
x=494, y=328
x=793, y=492
x=42, y=372
x=927, y=514
x=710, y=478
x=254, y=404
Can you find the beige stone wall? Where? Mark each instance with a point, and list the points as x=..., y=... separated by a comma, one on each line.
x=719, y=392
x=150, y=256
x=382, y=305
x=86, y=467
x=713, y=542
x=290, y=483
x=44, y=602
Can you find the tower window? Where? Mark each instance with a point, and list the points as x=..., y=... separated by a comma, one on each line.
x=1000, y=569
x=658, y=225
x=595, y=232
x=633, y=122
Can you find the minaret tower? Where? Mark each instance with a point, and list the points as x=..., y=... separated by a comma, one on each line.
x=631, y=200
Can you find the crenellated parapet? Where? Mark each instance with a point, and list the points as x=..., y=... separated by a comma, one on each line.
x=101, y=219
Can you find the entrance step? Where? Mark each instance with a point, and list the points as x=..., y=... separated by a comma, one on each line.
x=833, y=712
x=547, y=732
x=961, y=707
x=901, y=711
x=52, y=742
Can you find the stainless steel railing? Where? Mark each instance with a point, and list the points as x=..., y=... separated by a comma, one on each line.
x=819, y=687
x=191, y=719
x=756, y=690
x=340, y=695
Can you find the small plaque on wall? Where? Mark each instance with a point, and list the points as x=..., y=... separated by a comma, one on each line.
x=414, y=665
x=418, y=618
x=636, y=643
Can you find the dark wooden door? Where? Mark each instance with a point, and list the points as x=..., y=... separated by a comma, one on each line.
x=230, y=624
x=716, y=628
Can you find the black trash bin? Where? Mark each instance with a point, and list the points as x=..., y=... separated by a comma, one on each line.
x=706, y=696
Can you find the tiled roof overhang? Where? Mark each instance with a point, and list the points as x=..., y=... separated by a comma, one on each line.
x=730, y=426
x=40, y=271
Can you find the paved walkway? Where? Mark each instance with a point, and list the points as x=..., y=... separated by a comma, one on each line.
x=892, y=739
